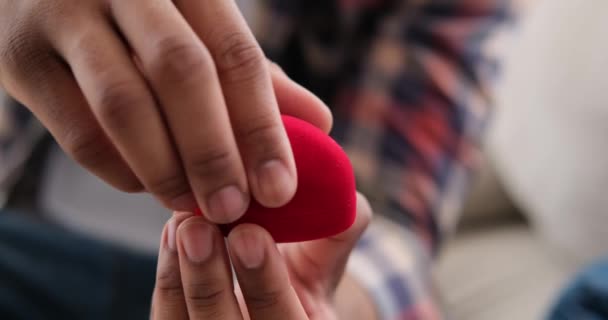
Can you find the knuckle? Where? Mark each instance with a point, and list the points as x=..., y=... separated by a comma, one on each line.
x=205, y=295
x=168, y=278
x=211, y=165
x=364, y=209
x=22, y=53
x=87, y=146
x=169, y=285
x=181, y=61
x=118, y=103
x=240, y=58
x=263, y=136
x=13, y=47
x=25, y=47
x=86, y=45
x=264, y=300
x=175, y=293
x=169, y=186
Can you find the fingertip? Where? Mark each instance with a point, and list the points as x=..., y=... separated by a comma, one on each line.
x=187, y=220
x=171, y=231
x=168, y=237
x=297, y=101
x=196, y=237
x=262, y=275
x=248, y=247
x=275, y=68
x=325, y=119
x=226, y=205
x=328, y=118
x=184, y=202
x=274, y=184
x=168, y=294
x=249, y=228
x=365, y=212
x=362, y=220
x=249, y=231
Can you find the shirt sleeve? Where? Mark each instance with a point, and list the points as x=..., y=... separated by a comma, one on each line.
x=413, y=117
x=411, y=122
x=409, y=85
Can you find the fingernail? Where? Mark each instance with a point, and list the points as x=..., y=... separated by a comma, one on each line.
x=275, y=183
x=171, y=228
x=185, y=202
x=226, y=205
x=249, y=249
x=197, y=238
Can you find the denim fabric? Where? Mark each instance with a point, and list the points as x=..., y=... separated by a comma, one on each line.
x=49, y=273
x=586, y=298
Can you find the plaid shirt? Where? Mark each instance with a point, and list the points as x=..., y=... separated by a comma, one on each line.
x=408, y=82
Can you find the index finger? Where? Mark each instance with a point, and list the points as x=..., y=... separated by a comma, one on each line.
x=182, y=74
x=262, y=275
x=250, y=98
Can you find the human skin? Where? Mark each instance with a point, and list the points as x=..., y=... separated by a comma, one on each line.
x=174, y=98
x=291, y=281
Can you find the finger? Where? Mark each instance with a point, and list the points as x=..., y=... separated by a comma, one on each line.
x=326, y=259
x=250, y=98
x=296, y=101
x=49, y=90
x=262, y=275
x=205, y=271
x=168, y=300
x=121, y=101
x=182, y=74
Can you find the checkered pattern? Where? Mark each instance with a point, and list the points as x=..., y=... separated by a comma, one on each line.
x=408, y=82
x=395, y=269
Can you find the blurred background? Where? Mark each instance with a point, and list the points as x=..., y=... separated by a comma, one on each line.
x=537, y=211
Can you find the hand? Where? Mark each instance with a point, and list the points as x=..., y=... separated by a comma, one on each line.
x=171, y=97
x=293, y=281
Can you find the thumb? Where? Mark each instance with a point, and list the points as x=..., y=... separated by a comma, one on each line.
x=323, y=261
x=296, y=101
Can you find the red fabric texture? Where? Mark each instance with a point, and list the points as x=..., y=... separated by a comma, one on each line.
x=325, y=201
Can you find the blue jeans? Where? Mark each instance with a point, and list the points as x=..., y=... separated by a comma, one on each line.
x=49, y=273
x=586, y=298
